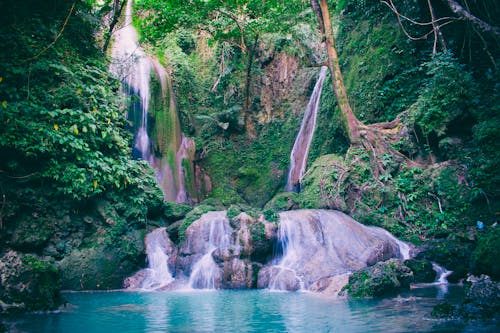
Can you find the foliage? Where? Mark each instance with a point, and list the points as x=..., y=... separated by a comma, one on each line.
x=483, y=258
x=448, y=94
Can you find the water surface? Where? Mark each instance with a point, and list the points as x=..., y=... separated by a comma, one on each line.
x=245, y=311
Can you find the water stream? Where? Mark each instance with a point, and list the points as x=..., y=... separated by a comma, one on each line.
x=300, y=151
x=136, y=70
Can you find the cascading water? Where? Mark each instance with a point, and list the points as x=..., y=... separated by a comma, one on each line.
x=318, y=245
x=205, y=272
x=441, y=274
x=300, y=151
x=157, y=275
x=133, y=67
x=136, y=69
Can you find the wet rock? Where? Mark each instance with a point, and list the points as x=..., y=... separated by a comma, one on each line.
x=381, y=279
x=422, y=270
x=237, y=274
x=453, y=254
x=331, y=286
x=28, y=283
x=319, y=244
x=103, y=266
x=444, y=310
x=482, y=298
x=288, y=280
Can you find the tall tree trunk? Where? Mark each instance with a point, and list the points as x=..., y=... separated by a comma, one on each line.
x=117, y=11
x=376, y=139
x=351, y=124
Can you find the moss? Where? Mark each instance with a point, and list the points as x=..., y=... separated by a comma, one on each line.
x=485, y=256
x=381, y=279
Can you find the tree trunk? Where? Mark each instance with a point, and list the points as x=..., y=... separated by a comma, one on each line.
x=351, y=123
x=117, y=11
x=376, y=139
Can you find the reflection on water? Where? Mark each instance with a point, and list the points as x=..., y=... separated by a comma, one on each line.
x=245, y=311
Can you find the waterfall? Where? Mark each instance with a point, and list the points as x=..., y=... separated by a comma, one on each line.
x=319, y=245
x=441, y=274
x=157, y=275
x=135, y=69
x=206, y=274
x=300, y=151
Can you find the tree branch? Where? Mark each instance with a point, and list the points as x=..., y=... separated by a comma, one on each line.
x=57, y=36
x=466, y=15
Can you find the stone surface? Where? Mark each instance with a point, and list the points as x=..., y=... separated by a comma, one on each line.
x=319, y=244
x=381, y=279
x=422, y=270
x=28, y=283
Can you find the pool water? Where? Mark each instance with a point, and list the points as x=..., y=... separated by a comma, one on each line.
x=245, y=311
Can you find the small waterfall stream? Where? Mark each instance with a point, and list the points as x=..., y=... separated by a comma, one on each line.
x=157, y=275
x=300, y=151
x=205, y=272
x=157, y=248
x=136, y=70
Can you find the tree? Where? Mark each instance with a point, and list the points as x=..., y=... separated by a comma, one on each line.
x=239, y=24
x=375, y=138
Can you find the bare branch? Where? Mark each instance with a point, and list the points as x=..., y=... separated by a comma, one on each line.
x=466, y=15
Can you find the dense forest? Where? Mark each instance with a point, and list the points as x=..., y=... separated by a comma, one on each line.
x=407, y=137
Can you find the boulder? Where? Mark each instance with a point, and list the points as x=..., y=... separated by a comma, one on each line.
x=28, y=283
x=318, y=244
x=380, y=279
x=423, y=272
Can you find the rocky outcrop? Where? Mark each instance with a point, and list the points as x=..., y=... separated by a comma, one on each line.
x=28, y=283
x=310, y=250
x=319, y=244
x=380, y=279
x=423, y=271
x=481, y=301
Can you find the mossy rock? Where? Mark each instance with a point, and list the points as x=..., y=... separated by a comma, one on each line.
x=383, y=278
x=453, y=254
x=319, y=186
x=32, y=234
x=174, y=211
x=283, y=201
x=481, y=301
x=422, y=270
x=444, y=310
x=485, y=256
x=103, y=266
x=28, y=283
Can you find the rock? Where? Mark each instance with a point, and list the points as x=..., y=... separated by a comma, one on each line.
x=453, y=254
x=422, y=270
x=485, y=256
x=481, y=301
x=482, y=298
x=28, y=283
x=288, y=280
x=174, y=212
x=103, y=266
x=319, y=244
x=237, y=274
x=32, y=234
x=383, y=278
x=443, y=310
x=332, y=286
